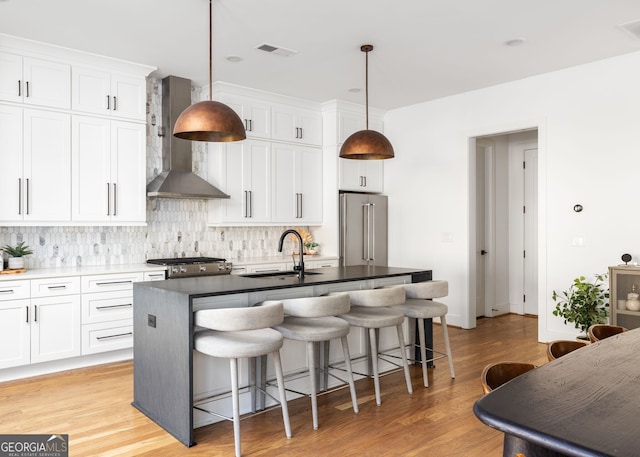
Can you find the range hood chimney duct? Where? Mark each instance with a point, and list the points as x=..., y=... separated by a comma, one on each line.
x=177, y=179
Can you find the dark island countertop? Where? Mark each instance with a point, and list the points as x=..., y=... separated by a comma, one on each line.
x=207, y=286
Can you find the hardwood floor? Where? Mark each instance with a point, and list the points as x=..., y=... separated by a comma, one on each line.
x=93, y=407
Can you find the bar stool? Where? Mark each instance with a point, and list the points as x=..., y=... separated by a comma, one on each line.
x=370, y=309
x=419, y=306
x=242, y=333
x=313, y=320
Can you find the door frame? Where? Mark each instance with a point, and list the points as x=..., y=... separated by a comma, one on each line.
x=468, y=312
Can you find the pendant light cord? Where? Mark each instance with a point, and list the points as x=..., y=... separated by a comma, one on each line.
x=210, y=50
x=366, y=88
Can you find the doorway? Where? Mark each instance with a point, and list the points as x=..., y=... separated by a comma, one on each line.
x=504, y=224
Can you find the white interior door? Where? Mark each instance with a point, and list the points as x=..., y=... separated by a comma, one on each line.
x=530, y=232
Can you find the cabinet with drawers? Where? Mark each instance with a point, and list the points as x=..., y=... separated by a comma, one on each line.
x=107, y=312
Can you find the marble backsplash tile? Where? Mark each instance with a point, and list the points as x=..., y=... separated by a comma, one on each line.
x=175, y=228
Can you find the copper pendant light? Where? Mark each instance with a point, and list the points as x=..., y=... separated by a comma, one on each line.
x=367, y=144
x=209, y=120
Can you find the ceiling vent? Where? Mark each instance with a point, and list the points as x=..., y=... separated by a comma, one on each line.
x=631, y=28
x=278, y=50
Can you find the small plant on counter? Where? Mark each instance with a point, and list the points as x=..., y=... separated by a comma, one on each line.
x=18, y=251
x=584, y=303
x=16, y=254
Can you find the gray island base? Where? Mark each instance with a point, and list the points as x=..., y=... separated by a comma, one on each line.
x=163, y=360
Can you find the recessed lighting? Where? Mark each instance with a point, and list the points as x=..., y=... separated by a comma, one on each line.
x=233, y=59
x=355, y=90
x=515, y=42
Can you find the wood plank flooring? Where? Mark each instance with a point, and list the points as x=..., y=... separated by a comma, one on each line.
x=93, y=406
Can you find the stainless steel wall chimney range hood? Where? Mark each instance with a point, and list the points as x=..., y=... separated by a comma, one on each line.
x=177, y=179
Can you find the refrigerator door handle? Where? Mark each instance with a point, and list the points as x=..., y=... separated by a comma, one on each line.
x=372, y=232
x=365, y=231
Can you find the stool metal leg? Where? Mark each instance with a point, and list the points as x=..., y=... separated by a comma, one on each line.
x=352, y=385
x=283, y=395
x=312, y=381
x=233, y=366
x=423, y=352
x=443, y=322
x=374, y=363
x=403, y=352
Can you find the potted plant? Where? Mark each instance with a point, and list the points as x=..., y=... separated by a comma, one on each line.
x=584, y=303
x=16, y=254
x=312, y=247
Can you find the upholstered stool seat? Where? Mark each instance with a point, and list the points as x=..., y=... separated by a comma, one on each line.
x=235, y=333
x=370, y=309
x=419, y=305
x=249, y=343
x=313, y=320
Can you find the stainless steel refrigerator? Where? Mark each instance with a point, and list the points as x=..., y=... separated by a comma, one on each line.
x=363, y=229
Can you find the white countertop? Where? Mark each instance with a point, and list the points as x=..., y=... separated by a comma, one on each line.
x=80, y=271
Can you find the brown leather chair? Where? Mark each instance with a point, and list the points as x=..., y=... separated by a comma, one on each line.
x=558, y=348
x=496, y=374
x=599, y=332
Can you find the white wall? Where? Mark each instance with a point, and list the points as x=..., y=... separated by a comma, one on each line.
x=589, y=153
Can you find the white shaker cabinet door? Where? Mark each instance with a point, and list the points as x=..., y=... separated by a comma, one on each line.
x=14, y=333
x=128, y=178
x=48, y=83
x=11, y=163
x=47, y=166
x=55, y=328
x=91, y=184
x=11, y=79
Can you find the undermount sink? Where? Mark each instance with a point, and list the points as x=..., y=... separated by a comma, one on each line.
x=279, y=274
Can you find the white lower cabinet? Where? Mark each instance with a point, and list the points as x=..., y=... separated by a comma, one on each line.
x=42, y=328
x=107, y=336
x=107, y=312
x=15, y=333
x=55, y=328
x=43, y=320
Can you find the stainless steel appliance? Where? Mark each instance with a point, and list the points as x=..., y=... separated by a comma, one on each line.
x=363, y=229
x=186, y=267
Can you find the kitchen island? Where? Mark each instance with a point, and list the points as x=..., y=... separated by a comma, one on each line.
x=163, y=327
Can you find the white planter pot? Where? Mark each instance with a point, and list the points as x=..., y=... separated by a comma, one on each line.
x=15, y=263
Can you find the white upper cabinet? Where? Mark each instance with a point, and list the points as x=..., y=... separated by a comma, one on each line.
x=35, y=159
x=109, y=170
x=34, y=81
x=255, y=115
x=242, y=170
x=109, y=94
x=296, y=125
x=296, y=179
x=361, y=175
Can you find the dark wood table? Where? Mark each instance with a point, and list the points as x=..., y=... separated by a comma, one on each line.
x=586, y=403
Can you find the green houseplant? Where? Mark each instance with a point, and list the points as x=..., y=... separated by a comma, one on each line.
x=16, y=254
x=584, y=303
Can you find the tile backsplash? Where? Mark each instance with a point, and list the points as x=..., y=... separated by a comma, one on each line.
x=175, y=227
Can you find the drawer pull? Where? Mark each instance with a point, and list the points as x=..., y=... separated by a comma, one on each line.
x=119, y=335
x=126, y=305
x=6, y=291
x=56, y=287
x=156, y=275
x=266, y=270
x=113, y=283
